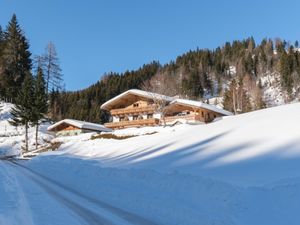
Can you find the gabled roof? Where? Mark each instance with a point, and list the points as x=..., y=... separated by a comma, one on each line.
x=198, y=104
x=80, y=124
x=145, y=94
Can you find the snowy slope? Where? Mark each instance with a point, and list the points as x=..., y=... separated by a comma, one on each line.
x=228, y=149
x=12, y=138
x=242, y=169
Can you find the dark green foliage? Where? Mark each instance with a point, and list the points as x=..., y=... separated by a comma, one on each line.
x=236, y=99
x=286, y=69
x=40, y=105
x=40, y=97
x=16, y=62
x=22, y=113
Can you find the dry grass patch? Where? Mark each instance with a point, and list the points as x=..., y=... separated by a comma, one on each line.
x=116, y=137
x=111, y=136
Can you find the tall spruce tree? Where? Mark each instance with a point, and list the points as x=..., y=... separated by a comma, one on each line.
x=40, y=105
x=22, y=112
x=16, y=59
x=1, y=62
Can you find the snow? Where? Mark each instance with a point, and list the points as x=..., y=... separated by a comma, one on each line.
x=80, y=124
x=272, y=92
x=231, y=70
x=242, y=169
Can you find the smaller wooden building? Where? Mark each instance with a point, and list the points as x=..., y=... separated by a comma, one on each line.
x=68, y=127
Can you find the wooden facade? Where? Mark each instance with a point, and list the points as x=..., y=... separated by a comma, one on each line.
x=137, y=114
x=136, y=108
x=177, y=111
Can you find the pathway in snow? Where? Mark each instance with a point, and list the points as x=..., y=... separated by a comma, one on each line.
x=46, y=196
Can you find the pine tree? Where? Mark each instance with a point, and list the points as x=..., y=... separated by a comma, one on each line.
x=230, y=98
x=236, y=99
x=40, y=106
x=22, y=112
x=16, y=58
x=286, y=69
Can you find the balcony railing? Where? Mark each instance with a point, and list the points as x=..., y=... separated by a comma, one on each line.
x=132, y=123
x=149, y=109
x=185, y=117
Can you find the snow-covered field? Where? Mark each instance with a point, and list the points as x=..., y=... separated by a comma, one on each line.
x=242, y=169
x=12, y=138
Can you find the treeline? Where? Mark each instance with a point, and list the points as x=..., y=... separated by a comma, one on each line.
x=233, y=71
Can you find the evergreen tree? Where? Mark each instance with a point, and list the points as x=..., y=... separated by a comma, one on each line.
x=286, y=69
x=22, y=112
x=40, y=105
x=16, y=59
x=230, y=98
x=236, y=99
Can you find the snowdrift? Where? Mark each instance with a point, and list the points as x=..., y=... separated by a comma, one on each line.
x=242, y=169
x=249, y=149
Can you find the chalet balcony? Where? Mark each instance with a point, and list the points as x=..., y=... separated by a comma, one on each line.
x=134, y=110
x=189, y=117
x=132, y=123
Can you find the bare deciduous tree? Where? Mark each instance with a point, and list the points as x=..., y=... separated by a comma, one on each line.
x=161, y=86
x=50, y=64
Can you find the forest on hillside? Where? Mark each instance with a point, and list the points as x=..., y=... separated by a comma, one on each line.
x=241, y=75
x=239, y=72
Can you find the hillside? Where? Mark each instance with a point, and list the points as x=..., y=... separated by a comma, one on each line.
x=266, y=73
x=239, y=170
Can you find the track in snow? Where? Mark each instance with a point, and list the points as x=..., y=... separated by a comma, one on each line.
x=89, y=210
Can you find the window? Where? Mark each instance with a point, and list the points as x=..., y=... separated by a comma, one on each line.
x=215, y=116
x=122, y=118
x=202, y=113
x=136, y=105
x=135, y=117
x=149, y=116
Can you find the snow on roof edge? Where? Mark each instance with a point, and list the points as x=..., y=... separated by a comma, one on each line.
x=201, y=105
x=138, y=92
x=80, y=124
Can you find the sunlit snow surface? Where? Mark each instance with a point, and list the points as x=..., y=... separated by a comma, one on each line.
x=242, y=169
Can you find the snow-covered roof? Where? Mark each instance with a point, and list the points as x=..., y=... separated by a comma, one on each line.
x=145, y=94
x=80, y=124
x=200, y=105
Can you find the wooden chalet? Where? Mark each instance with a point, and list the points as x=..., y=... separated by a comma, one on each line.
x=69, y=127
x=137, y=108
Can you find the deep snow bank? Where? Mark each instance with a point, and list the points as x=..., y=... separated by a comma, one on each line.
x=249, y=149
x=241, y=170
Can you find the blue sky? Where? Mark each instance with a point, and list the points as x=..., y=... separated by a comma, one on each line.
x=96, y=36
